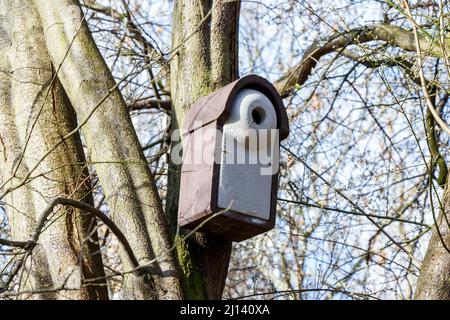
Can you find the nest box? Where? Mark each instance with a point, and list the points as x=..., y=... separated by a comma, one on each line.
x=229, y=175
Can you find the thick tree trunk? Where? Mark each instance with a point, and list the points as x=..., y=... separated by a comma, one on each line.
x=113, y=146
x=434, y=279
x=20, y=201
x=35, y=115
x=204, y=38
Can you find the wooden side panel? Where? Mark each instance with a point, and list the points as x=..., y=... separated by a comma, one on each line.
x=196, y=189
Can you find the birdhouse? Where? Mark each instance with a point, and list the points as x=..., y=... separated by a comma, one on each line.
x=229, y=174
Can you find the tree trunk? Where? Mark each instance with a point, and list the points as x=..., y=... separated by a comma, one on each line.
x=113, y=146
x=204, y=41
x=434, y=279
x=35, y=115
x=17, y=202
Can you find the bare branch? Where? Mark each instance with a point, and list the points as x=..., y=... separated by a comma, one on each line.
x=94, y=211
x=32, y=242
x=147, y=104
x=391, y=34
x=12, y=243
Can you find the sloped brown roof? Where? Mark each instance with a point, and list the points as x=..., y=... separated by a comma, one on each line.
x=216, y=106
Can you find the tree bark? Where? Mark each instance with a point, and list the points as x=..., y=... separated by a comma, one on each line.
x=36, y=114
x=113, y=147
x=434, y=278
x=204, y=41
x=17, y=202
